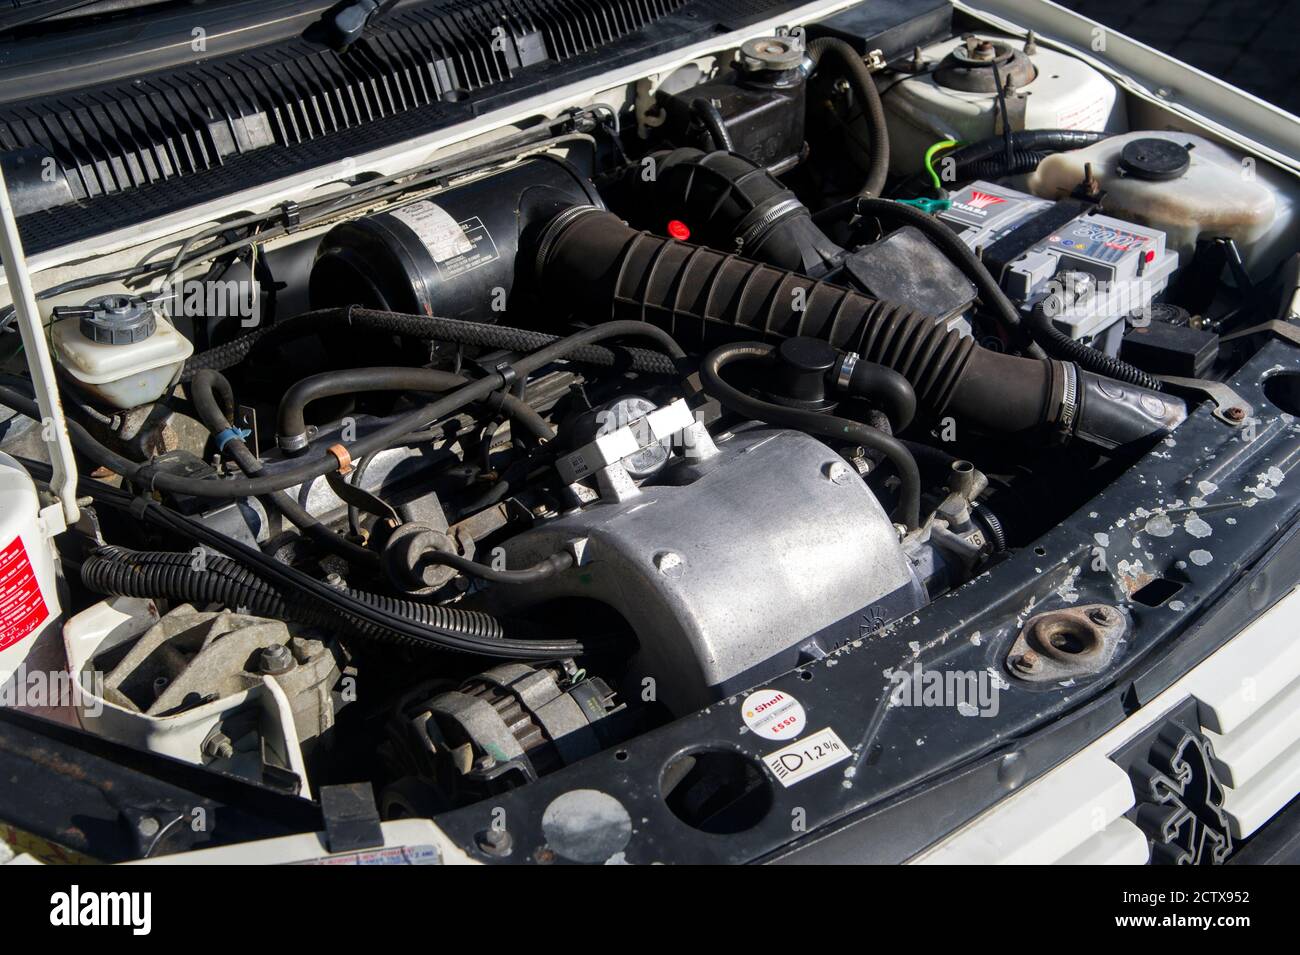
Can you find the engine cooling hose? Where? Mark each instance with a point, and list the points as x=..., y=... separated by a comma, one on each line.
x=712, y=120
x=873, y=110
x=292, y=426
x=592, y=263
x=117, y=571
x=813, y=422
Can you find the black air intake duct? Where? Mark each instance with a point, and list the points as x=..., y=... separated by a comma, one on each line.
x=596, y=266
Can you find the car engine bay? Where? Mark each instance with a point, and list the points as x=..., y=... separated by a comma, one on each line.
x=453, y=476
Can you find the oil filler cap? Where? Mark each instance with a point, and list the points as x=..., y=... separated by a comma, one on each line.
x=800, y=373
x=1154, y=159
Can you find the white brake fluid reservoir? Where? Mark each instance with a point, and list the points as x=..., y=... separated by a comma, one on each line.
x=30, y=611
x=119, y=350
x=955, y=97
x=1215, y=195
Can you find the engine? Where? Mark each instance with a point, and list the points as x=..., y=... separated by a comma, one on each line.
x=506, y=459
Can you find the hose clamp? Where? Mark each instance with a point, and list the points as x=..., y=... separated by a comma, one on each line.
x=847, y=366
x=1069, y=409
x=343, y=457
x=750, y=232
x=222, y=438
x=552, y=233
x=291, y=442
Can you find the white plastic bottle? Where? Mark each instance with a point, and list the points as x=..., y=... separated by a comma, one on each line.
x=30, y=611
x=1182, y=184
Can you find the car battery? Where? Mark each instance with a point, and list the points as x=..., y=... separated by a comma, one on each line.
x=1028, y=242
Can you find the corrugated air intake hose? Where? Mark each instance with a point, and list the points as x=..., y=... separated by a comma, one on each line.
x=595, y=266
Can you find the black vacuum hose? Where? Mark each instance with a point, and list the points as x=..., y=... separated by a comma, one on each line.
x=873, y=111
x=292, y=425
x=214, y=402
x=314, y=466
x=813, y=422
x=419, y=327
x=369, y=615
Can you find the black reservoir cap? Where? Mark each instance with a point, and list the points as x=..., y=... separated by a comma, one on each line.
x=1154, y=159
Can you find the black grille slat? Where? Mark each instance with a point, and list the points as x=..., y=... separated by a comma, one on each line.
x=185, y=121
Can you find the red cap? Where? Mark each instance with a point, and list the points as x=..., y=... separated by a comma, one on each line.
x=679, y=230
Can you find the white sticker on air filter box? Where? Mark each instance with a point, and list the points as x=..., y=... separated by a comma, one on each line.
x=441, y=234
x=773, y=714
x=807, y=757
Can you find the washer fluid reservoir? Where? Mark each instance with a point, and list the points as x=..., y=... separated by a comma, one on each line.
x=1184, y=185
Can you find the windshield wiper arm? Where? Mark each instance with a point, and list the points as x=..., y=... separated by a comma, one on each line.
x=348, y=23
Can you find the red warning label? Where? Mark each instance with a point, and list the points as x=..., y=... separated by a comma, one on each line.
x=22, y=607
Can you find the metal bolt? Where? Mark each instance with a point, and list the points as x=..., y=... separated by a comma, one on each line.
x=1235, y=413
x=1031, y=43
x=148, y=827
x=669, y=564
x=839, y=473
x=495, y=841
x=276, y=659
x=1101, y=615
x=335, y=580
x=1026, y=661
x=219, y=746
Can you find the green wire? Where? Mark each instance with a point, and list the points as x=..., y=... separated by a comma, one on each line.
x=929, y=159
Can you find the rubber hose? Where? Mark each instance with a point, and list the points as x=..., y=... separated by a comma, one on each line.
x=864, y=88
x=885, y=389
x=387, y=625
x=214, y=412
x=712, y=121
x=121, y=572
x=309, y=468
x=594, y=263
x=419, y=327
x=292, y=425
x=813, y=422
x=542, y=570
x=1063, y=346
